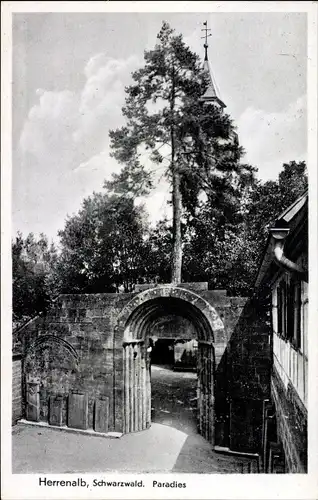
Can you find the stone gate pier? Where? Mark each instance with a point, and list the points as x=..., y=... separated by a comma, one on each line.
x=85, y=363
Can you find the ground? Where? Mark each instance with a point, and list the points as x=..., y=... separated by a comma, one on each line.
x=174, y=398
x=172, y=444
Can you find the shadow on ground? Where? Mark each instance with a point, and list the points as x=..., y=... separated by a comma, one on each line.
x=174, y=403
x=172, y=444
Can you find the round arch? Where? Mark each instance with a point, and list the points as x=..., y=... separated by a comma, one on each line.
x=51, y=340
x=46, y=350
x=142, y=308
x=134, y=325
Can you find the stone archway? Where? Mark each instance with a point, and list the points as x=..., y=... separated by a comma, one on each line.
x=134, y=327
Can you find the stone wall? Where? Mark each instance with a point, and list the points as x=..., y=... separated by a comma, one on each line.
x=172, y=327
x=291, y=420
x=16, y=388
x=243, y=376
x=70, y=350
x=77, y=349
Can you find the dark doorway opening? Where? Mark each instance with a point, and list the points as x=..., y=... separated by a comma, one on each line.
x=163, y=352
x=176, y=353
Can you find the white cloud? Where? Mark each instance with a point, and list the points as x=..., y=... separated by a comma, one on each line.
x=90, y=175
x=64, y=147
x=94, y=64
x=157, y=203
x=47, y=132
x=101, y=100
x=63, y=152
x=78, y=124
x=270, y=139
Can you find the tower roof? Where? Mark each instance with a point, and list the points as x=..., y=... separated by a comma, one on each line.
x=210, y=94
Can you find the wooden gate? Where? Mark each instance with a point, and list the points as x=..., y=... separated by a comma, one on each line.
x=137, y=388
x=205, y=391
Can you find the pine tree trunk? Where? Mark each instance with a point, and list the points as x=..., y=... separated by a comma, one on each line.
x=176, y=263
x=177, y=241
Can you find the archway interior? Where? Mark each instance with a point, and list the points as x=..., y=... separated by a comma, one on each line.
x=152, y=320
x=146, y=316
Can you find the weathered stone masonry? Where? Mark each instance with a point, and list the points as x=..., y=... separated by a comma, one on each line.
x=76, y=351
x=291, y=421
x=16, y=388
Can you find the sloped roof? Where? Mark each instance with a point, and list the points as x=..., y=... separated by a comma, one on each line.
x=288, y=218
x=290, y=212
x=210, y=94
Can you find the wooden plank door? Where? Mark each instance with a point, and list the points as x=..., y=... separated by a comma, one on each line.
x=205, y=391
x=137, y=388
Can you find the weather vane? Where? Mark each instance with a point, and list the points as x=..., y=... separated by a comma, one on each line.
x=206, y=29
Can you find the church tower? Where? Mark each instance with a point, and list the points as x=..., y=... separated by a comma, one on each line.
x=211, y=95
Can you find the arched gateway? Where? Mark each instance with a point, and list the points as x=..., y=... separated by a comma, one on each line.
x=134, y=327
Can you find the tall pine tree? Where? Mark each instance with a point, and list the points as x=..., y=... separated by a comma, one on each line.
x=166, y=115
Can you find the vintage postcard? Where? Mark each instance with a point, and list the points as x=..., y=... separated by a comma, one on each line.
x=159, y=250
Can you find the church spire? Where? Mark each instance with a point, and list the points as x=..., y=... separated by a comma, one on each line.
x=206, y=29
x=210, y=95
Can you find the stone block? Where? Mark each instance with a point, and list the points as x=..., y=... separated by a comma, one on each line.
x=195, y=286
x=238, y=301
x=95, y=346
x=56, y=410
x=33, y=402
x=118, y=424
x=108, y=342
x=101, y=420
x=118, y=359
x=217, y=298
x=78, y=410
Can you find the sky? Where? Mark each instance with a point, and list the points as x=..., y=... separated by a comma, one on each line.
x=69, y=75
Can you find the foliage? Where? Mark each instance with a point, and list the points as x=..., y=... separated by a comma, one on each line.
x=228, y=255
x=270, y=198
x=161, y=245
x=104, y=246
x=33, y=284
x=108, y=246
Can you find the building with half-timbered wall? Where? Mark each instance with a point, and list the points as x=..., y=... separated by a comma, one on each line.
x=284, y=270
